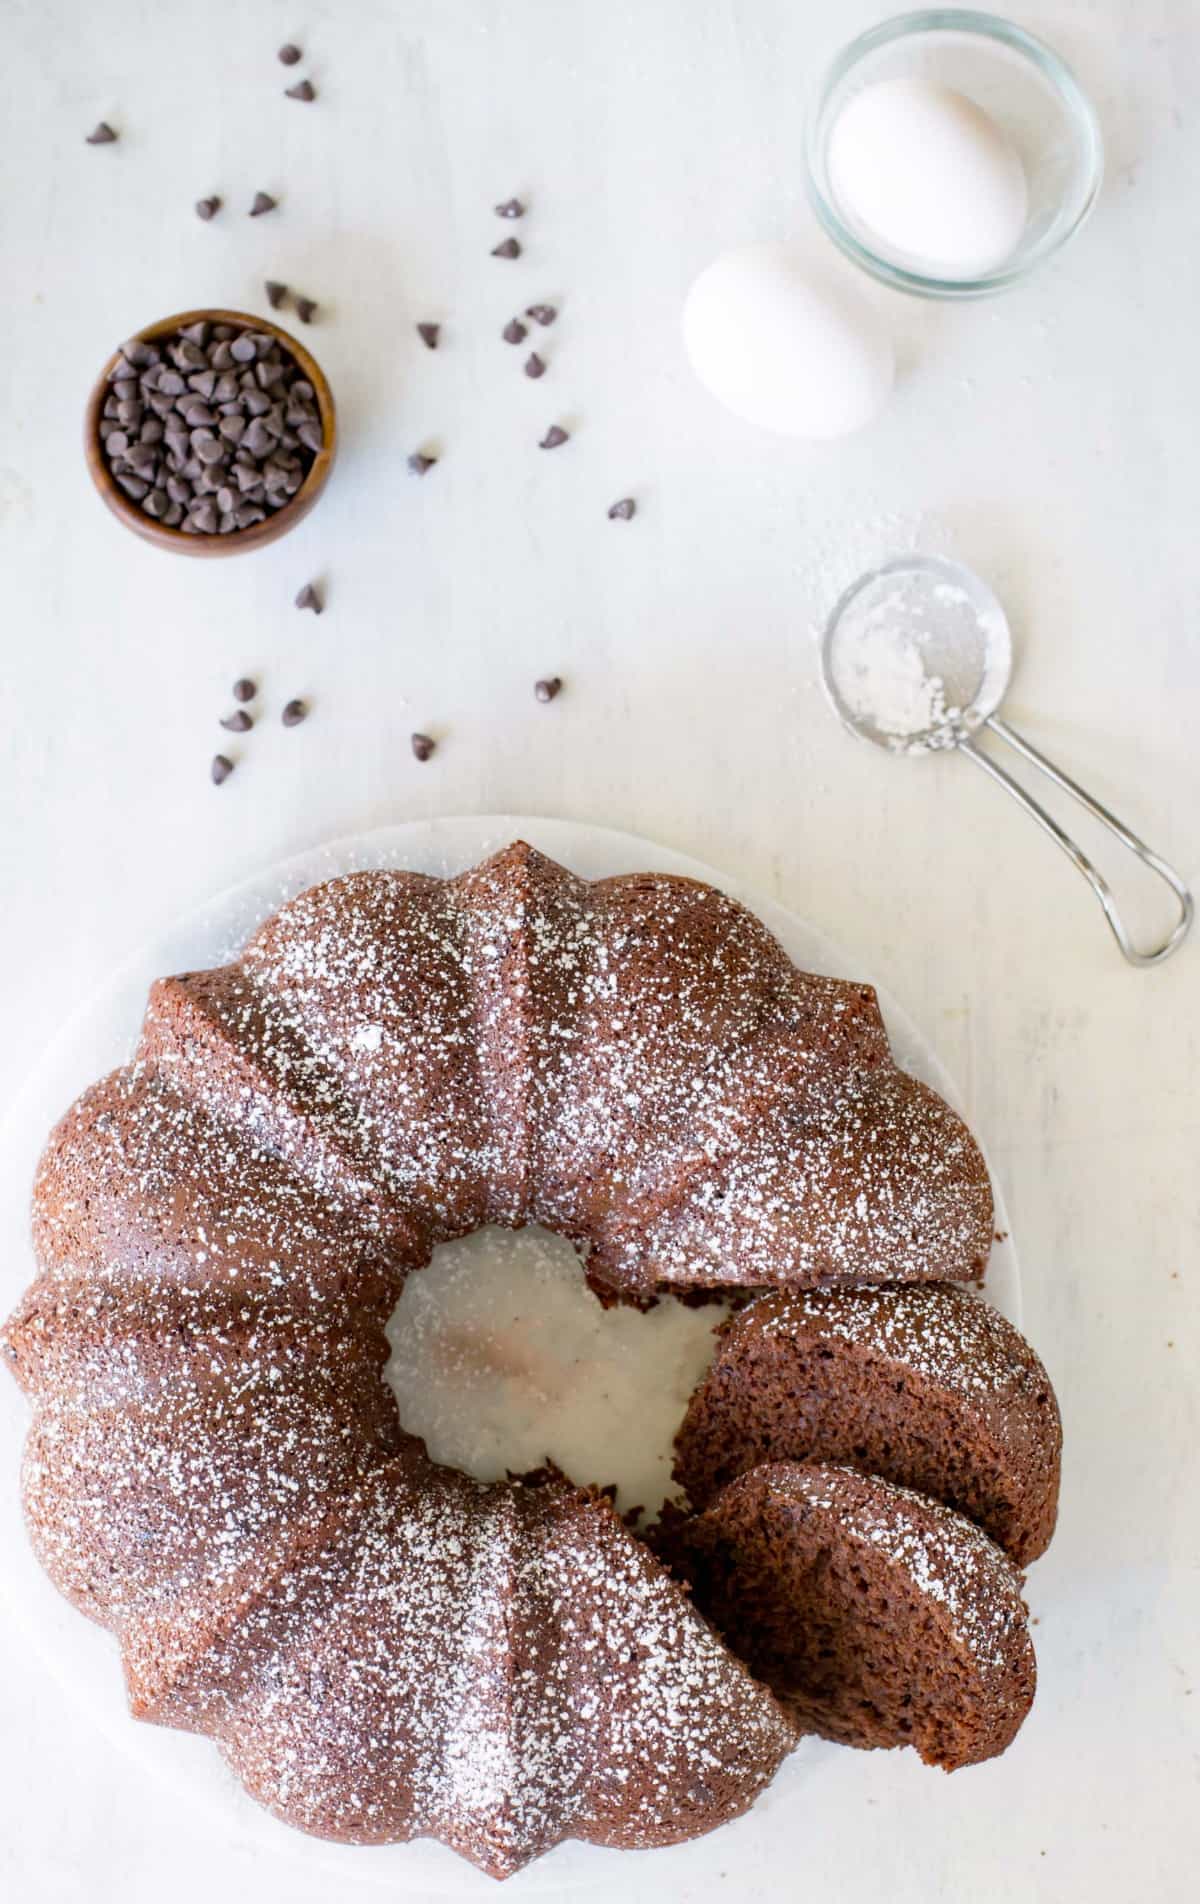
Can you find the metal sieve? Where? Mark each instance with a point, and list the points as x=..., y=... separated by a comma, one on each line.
x=916, y=657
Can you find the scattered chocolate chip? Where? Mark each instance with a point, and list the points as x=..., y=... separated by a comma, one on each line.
x=239, y=723
x=547, y=689
x=623, y=511
x=542, y=313
x=304, y=90
x=421, y=464
x=102, y=134
x=553, y=438
x=294, y=713
x=289, y=55
x=511, y=208
x=306, y=309
x=207, y=208
x=221, y=768
x=535, y=366
x=423, y=746
x=276, y=292
x=508, y=249
x=263, y=202
x=245, y=689
x=429, y=334
x=309, y=597
x=514, y=331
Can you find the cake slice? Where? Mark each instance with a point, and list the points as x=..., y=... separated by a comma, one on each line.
x=877, y=1617
x=925, y=1385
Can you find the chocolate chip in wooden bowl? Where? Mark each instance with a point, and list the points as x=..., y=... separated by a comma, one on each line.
x=535, y=366
x=102, y=134
x=263, y=202
x=429, y=335
x=276, y=293
x=510, y=208
x=514, y=331
x=508, y=248
x=554, y=438
x=289, y=55
x=207, y=208
x=420, y=464
x=220, y=769
x=549, y=688
x=244, y=689
x=306, y=309
x=294, y=713
x=310, y=597
x=623, y=511
x=303, y=89
x=423, y=746
x=238, y=722
x=542, y=314
x=209, y=428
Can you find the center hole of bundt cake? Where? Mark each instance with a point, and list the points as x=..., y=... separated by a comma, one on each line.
x=503, y=1358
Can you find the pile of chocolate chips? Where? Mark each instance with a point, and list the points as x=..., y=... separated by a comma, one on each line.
x=211, y=430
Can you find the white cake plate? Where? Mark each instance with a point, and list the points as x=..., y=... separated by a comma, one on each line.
x=83, y=1659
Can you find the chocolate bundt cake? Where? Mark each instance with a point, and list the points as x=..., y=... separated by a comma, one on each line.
x=215, y=1470
x=877, y=1617
x=925, y=1385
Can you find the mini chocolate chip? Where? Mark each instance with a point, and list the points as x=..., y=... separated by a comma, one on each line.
x=117, y=443
x=245, y=689
x=102, y=134
x=207, y=208
x=514, y=331
x=294, y=713
x=306, y=309
x=553, y=438
x=312, y=437
x=541, y=313
x=429, y=334
x=423, y=746
x=276, y=293
x=511, y=208
x=534, y=365
x=221, y=768
x=304, y=89
x=239, y=723
x=197, y=333
x=309, y=597
x=623, y=511
x=263, y=202
x=134, y=487
x=243, y=349
x=547, y=689
x=289, y=55
x=420, y=464
x=508, y=249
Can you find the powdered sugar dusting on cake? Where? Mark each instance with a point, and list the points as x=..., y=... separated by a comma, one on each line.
x=216, y=1470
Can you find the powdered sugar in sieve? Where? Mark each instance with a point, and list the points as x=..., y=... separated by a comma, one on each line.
x=916, y=654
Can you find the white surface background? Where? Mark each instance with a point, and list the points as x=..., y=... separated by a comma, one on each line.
x=1050, y=438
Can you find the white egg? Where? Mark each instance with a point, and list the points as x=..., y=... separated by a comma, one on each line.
x=798, y=355
x=929, y=176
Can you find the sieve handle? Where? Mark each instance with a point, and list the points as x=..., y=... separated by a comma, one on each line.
x=1075, y=854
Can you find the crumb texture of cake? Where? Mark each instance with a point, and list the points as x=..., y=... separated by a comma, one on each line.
x=925, y=1384
x=877, y=1616
x=215, y=1469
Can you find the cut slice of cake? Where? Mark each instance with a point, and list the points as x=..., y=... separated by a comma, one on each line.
x=877, y=1617
x=926, y=1385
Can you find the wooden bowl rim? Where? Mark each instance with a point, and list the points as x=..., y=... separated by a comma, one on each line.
x=241, y=541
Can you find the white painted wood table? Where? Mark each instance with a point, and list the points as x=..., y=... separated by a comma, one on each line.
x=1051, y=438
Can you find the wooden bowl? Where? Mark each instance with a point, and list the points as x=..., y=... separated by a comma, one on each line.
x=238, y=541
